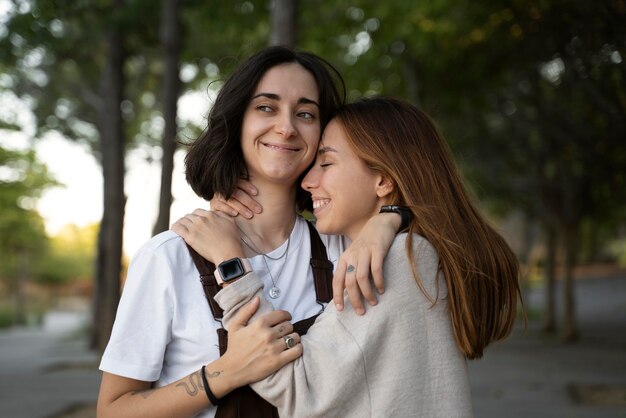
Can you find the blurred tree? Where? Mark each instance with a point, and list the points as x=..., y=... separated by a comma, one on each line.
x=89, y=70
x=557, y=121
x=22, y=180
x=529, y=93
x=284, y=23
x=70, y=256
x=113, y=140
x=170, y=42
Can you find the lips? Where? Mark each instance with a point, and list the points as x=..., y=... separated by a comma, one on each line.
x=319, y=203
x=281, y=147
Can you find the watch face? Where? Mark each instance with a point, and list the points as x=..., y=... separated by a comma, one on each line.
x=231, y=269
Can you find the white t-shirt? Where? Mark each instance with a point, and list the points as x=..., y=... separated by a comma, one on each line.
x=164, y=329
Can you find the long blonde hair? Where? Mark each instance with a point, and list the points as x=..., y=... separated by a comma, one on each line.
x=480, y=269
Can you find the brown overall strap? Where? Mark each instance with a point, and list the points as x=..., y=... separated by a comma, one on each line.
x=322, y=267
x=209, y=284
x=244, y=402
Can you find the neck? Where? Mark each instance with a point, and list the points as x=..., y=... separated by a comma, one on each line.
x=271, y=228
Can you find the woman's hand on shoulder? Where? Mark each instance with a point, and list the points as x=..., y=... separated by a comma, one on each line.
x=362, y=263
x=212, y=234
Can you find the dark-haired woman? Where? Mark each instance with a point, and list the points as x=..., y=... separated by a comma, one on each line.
x=163, y=358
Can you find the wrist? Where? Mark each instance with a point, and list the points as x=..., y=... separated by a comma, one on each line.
x=219, y=379
x=231, y=270
x=402, y=218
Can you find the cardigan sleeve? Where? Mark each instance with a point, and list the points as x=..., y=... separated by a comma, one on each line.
x=308, y=386
x=360, y=366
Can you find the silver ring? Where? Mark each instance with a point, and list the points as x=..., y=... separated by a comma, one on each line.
x=350, y=268
x=289, y=342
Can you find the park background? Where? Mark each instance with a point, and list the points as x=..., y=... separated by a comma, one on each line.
x=531, y=96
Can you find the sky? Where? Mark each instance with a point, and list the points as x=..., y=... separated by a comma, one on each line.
x=79, y=200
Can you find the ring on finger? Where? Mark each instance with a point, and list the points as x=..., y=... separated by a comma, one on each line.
x=289, y=342
x=350, y=268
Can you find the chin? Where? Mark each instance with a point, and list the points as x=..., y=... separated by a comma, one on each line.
x=326, y=229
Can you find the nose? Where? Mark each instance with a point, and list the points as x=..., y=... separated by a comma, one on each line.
x=284, y=126
x=311, y=180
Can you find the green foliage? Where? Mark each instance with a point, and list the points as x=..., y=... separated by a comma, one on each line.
x=530, y=93
x=70, y=256
x=22, y=179
x=26, y=252
x=556, y=120
x=24, y=241
x=6, y=316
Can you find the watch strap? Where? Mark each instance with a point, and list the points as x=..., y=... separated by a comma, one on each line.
x=403, y=211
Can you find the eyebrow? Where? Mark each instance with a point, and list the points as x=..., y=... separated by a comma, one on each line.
x=272, y=96
x=324, y=150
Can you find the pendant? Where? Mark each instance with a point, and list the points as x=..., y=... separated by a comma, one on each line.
x=274, y=292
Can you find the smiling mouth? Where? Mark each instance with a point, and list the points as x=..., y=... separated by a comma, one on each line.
x=320, y=203
x=279, y=147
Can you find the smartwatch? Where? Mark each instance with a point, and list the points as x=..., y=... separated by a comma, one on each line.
x=232, y=269
x=403, y=211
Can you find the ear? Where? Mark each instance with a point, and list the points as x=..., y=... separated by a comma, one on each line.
x=384, y=186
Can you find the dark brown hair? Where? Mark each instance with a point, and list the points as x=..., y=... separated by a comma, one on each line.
x=481, y=271
x=215, y=163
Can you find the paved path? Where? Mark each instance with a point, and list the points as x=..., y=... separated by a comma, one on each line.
x=46, y=371
x=534, y=375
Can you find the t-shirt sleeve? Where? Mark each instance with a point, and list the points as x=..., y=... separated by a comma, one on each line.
x=143, y=322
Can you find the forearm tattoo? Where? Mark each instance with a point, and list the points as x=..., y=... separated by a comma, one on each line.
x=213, y=374
x=192, y=384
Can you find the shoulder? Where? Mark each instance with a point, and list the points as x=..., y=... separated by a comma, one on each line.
x=166, y=247
x=422, y=249
x=398, y=268
x=167, y=242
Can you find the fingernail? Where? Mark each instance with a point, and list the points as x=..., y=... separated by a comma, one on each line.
x=339, y=307
x=248, y=214
x=373, y=302
x=257, y=209
x=253, y=191
x=233, y=213
x=360, y=311
x=380, y=291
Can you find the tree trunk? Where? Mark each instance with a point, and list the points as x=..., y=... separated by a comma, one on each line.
x=549, y=315
x=21, y=278
x=570, y=328
x=283, y=23
x=107, y=289
x=170, y=39
x=411, y=72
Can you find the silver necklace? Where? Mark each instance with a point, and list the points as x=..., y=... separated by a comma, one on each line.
x=274, y=291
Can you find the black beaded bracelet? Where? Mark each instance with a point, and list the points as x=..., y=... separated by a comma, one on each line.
x=214, y=401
